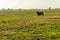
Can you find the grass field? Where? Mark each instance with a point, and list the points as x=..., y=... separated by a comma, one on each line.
x=26, y=25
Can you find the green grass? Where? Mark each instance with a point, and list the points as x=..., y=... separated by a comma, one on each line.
x=26, y=25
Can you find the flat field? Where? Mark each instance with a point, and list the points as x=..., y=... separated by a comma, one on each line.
x=27, y=25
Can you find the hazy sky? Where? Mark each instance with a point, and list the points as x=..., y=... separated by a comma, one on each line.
x=29, y=4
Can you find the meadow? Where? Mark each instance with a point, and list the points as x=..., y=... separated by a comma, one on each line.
x=27, y=25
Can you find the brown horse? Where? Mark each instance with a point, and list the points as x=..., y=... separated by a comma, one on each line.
x=40, y=13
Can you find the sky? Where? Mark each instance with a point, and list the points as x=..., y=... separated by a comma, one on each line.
x=29, y=4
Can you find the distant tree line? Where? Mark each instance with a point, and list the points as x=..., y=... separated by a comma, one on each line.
x=29, y=9
x=11, y=9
